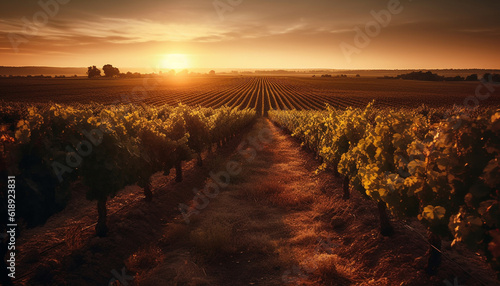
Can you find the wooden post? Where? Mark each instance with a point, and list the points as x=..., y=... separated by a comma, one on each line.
x=385, y=225
x=200, y=160
x=178, y=171
x=347, y=194
x=336, y=169
x=148, y=194
x=101, y=227
x=434, y=254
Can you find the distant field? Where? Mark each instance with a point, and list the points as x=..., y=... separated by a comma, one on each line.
x=262, y=93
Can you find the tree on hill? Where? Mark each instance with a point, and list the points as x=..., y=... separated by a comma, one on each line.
x=110, y=71
x=93, y=72
x=420, y=75
x=212, y=72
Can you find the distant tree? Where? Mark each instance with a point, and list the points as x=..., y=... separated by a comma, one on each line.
x=487, y=76
x=358, y=75
x=456, y=78
x=110, y=71
x=492, y=78
x=183, y=72
x=496, y=78
x=93, y=72
x=212, y=72
x=472, y=77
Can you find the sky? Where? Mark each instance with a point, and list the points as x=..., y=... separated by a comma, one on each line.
x=251, y=34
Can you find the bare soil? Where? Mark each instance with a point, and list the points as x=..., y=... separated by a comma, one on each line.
x=219, y=90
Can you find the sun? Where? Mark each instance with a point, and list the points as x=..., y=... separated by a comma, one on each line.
x=175, y=62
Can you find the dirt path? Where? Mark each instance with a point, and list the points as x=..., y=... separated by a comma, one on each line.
x=262, y=218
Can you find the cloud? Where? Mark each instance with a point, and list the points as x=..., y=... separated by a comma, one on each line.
x=300, y=27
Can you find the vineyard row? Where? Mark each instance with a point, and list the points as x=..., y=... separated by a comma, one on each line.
x=105, y=147
x=440, y=166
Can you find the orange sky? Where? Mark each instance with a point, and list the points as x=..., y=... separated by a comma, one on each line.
x=250, y=34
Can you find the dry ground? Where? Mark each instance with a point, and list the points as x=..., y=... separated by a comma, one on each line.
x=276, y=223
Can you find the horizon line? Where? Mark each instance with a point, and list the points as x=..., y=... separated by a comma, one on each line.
x=272, y=69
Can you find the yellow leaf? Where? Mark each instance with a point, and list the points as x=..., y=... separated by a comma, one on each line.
x=431, y=212
x=383, y=192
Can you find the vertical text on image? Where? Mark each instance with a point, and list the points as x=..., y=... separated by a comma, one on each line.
x=11, y=226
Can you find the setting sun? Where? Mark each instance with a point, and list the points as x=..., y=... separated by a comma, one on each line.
x=175, y=62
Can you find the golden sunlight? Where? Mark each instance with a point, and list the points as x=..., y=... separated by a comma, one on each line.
x=175, y=62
